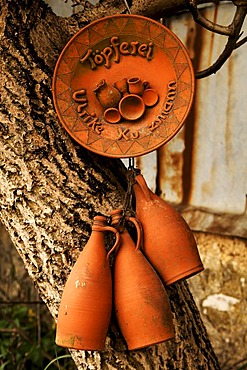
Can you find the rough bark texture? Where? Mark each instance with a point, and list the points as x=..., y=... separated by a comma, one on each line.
x=50, y=188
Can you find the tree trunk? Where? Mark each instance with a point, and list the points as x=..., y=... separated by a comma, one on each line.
x=50, y=187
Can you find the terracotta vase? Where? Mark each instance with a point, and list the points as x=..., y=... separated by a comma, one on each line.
x=122, y=86
x=136, y=85
x=107, y=94
x=86, y=304
x=168, y=242
x=141, y=302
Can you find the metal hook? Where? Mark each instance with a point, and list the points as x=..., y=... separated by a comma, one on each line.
x=131, y=163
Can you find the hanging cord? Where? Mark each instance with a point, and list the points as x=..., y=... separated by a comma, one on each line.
x=131, y=163
x=129, y=214
x=128, y=201
x=127, y=6
x=128, y=207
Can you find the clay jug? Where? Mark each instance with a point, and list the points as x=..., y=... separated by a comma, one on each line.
x=86, y=304
x=136, y=85
x=168, y=242
x=141, y=302
x=107, y=94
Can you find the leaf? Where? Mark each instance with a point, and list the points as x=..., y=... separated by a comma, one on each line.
x=56, y=359
x=3, y=365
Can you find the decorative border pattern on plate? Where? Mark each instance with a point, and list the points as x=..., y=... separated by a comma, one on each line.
x=113, y=49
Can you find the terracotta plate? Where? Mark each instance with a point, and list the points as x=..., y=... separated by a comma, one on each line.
x=110, y=59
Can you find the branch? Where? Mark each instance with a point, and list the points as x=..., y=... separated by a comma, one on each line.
x=163, y=8
x=206, y=23
x=240, y=43
x=233, y=30
x=154, y=9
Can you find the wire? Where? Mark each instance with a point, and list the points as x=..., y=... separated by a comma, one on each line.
x=131, y=163
x=127, y=6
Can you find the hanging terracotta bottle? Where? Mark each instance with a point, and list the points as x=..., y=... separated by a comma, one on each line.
x=86, y=304
x=168, y=242
x=141, y=302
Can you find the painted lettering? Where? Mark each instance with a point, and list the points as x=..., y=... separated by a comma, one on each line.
x=114, y=43
x=124, y=48
x=107, y=53
x=86, y=57
x=170, y=97
x=81, y=107
x=98, y=58
x=122, y=134
x=134, y=45
x=79, y=96
x=127, y=134
x=114, y=51
x=134, y=134
x=150, y=51
x=142, y=49
x=89, y=119
x=153, y=125
x=96, y=126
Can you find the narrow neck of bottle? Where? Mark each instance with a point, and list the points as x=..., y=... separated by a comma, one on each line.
x=99, y=222
x=142, y=186
x=116, y=216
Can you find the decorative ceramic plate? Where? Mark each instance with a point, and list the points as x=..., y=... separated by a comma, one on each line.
x=123, y=86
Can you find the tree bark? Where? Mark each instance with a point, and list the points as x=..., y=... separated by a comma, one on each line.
x=50, y=187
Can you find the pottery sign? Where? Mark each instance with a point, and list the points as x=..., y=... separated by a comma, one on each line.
x=123, y=86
